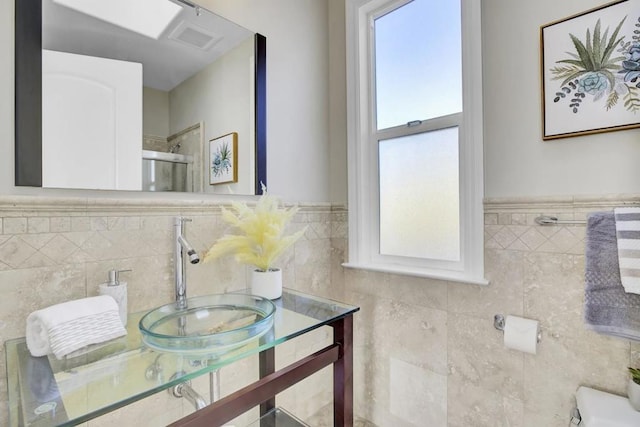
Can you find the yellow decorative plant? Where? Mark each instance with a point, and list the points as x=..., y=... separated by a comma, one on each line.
x=261, y=238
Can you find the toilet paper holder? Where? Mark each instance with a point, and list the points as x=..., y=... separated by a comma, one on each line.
x=499, y=322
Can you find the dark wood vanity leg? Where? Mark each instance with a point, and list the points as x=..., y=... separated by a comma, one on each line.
x=267, y=360
x=343, y=374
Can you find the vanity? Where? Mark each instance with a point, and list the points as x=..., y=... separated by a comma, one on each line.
x=44, y=391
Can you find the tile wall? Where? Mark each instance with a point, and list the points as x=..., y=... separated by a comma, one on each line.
x=54, y=250
x=428, y=354
x=426, y=351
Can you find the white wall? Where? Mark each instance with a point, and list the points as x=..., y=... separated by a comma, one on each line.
x=221, y=96
x=297, y=91
x=155, y=112
x=517, y=161
x=337, y=103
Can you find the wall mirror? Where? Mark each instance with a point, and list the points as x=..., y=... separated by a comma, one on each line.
x=166, y=96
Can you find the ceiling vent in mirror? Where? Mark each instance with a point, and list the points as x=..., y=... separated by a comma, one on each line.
x=194, y=36
x=147, y=17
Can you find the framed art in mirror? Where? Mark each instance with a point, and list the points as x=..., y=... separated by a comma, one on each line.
x=199, y=68
x=223, y=159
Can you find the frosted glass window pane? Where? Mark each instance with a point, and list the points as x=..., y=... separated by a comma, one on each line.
x=419, y=196
x=418, y=62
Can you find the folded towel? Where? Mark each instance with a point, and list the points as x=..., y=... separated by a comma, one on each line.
x=608, y=309
x=628, y=232
x=64, y=328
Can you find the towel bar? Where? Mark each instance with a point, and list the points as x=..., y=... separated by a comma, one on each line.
x=552, y=220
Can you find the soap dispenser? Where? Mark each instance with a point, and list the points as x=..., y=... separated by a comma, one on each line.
x=118, y=291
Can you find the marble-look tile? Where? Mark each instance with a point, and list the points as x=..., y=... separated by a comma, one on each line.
x=59, y=249
x=469, y=405
x=505, y=272
x=15, y=251
x=518, y=229
x=38, y=225
x=312, y=393
x=149, y=284
x=504, y=218
x=27, y=290
x=505, y=237
x=554, y=292
x=219, y=276
x=37, y=241
x=313, y=266
x=634, y=359
x=533, y=238
x=60, y=224
x=418, y=291
x=99, y=224
x=477, y=357
x=409, y=331
x=519, y=219
x=339, y=230
x=492, y=230
x=132, y=223
x=418, y=396
x=14, y=225
x=563, y=364
x=81, y=223
x=337, y=278
x=566, y=238
x=115, y=223
x=417, y=335
x=490, y=219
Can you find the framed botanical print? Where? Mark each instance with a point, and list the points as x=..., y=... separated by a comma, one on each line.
x=591, y=71
x=223, y=159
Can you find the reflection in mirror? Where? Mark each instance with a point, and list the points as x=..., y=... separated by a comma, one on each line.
x=133, y=104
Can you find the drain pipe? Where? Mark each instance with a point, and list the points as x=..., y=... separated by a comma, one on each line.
x=185, y=390
x=214, y=385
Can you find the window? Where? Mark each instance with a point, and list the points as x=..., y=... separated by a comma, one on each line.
x=415, y=138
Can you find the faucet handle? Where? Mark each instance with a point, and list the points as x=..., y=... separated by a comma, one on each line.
x=114, y=280
x=179, y=220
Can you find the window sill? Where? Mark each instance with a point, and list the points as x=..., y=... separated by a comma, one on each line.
x=450, y=276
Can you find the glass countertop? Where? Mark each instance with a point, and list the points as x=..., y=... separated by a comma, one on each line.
x=44, y=391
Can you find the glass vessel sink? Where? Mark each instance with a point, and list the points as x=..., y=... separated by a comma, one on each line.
x=210, y=325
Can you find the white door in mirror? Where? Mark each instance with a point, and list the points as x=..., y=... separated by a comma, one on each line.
x=91, y=122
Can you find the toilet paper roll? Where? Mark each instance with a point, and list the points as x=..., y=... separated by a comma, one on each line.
x=521, y=334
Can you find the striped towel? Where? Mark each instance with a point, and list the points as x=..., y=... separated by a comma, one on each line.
x=628, y=234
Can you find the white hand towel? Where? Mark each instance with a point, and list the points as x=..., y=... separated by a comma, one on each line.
x=628, y=235
x=64, y=328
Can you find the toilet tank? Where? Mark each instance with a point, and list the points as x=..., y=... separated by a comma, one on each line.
x=600, y=409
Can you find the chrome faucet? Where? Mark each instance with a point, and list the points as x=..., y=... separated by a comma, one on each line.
x=182, y=248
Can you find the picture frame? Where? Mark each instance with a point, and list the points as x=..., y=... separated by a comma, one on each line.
x=590, y=72
x=223, y=159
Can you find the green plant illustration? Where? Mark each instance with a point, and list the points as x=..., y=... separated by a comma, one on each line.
x=602, y=67
x=221, y=163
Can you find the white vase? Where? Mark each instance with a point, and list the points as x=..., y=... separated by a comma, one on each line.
x=633, y=391
x=267, y=284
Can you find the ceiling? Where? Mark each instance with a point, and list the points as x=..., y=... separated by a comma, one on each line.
x=192, y=41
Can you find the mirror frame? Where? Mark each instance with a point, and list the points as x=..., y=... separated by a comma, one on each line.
x=28, y=98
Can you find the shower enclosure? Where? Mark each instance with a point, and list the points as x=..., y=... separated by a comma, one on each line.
x=166, y=171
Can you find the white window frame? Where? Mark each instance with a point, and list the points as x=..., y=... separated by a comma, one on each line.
x=364, y=213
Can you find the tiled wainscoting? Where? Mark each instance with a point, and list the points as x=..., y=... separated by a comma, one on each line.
x=426, y=351
x=53, y=250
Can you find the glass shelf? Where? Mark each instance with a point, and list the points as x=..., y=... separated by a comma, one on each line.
x=44, y=391
x=278, y=417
